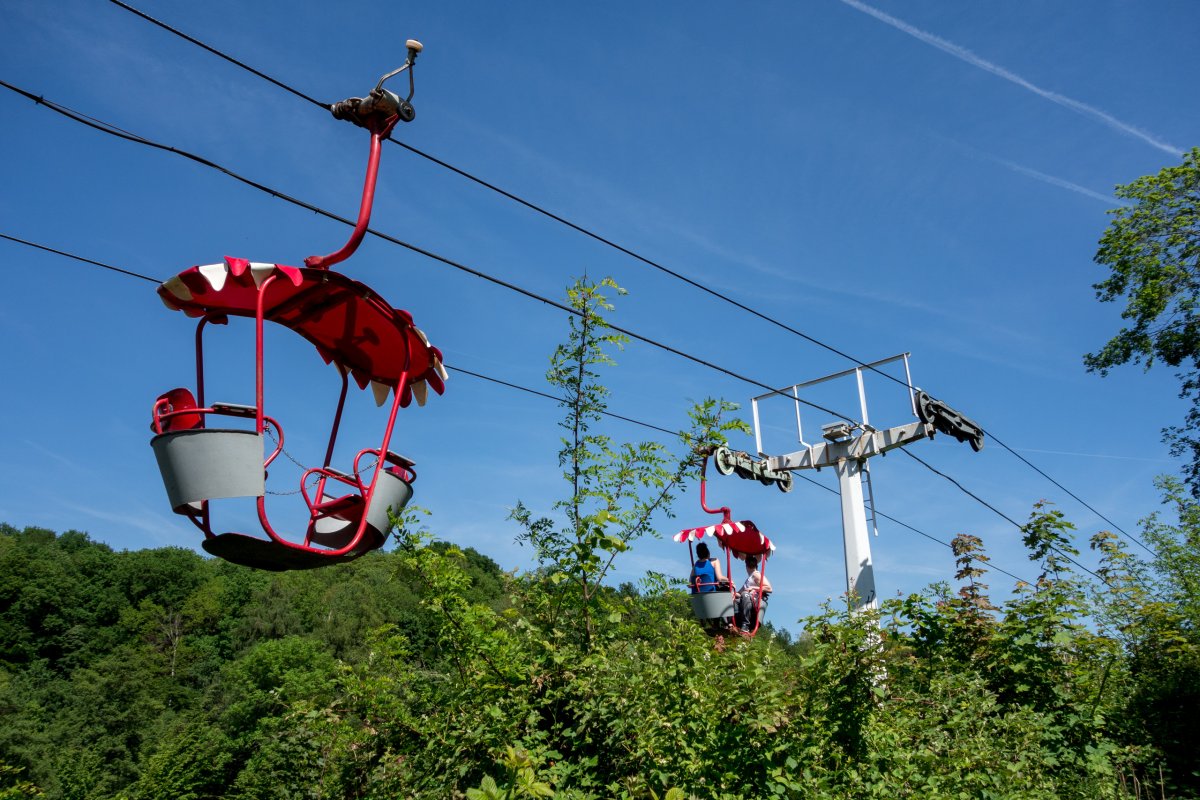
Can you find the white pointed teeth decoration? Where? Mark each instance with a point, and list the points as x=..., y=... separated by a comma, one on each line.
x=259, y=272
x=215, y=274
x=381, y=390
x=178, y=288
x=420, y=391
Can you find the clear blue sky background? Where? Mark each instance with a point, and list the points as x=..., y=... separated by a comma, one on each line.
x=921, y=176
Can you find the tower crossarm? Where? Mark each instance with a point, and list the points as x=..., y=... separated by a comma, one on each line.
x=860, y=448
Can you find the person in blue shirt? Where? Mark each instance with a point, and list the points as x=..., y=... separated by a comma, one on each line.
x=706, y=572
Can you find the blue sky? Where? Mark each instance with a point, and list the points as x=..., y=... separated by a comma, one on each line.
x=922, y=177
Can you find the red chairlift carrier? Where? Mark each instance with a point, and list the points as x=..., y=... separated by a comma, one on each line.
x=353, y=328
x=713, y=603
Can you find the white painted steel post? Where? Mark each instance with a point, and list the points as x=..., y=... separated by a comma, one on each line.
x=860, y=571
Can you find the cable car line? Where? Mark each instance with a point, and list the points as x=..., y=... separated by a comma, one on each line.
x=877, y=512
x=1034, y=467
x=614, y=245
x=78, y=258
x=961, y=488
x=508, y=384
x=983, y=502
x=137, y=139
x=219, y=54
x=558, y=399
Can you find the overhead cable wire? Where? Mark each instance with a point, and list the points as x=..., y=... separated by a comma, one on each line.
x=917, y=531
x=985, y=503
x=102, y=265
x=535, y=207
x=219, y=54
x=450, y=367
x=1079, y=499
x=498, y=381
x=608, y=242
x=558, y=399
x=112, y=130
x=961, y=488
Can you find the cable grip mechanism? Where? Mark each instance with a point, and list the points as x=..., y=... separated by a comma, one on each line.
x=380, y=110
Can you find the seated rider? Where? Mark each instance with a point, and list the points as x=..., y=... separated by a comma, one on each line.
x=747, y=597
x=706, y=572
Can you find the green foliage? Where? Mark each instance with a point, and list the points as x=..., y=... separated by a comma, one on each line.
x=1153, y=612
x=614, y=489
x=1152, y=248
x=13, y=787
x=469, y=692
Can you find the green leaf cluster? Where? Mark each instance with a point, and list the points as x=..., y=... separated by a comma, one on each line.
x=1152, y=251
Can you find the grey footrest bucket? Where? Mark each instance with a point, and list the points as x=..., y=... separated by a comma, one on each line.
x=712, y=605
x=206, y=464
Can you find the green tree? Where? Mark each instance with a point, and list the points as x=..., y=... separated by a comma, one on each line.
x=1152, y=247
x=614, y=489
x=1153, y=612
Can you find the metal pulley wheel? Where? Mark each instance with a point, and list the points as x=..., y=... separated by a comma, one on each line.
x=724, y=461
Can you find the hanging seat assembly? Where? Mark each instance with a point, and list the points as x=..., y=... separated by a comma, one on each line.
x=713, y=601
x=215, y=451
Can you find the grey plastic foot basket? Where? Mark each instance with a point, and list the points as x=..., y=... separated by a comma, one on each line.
x=209, y=463
x=718, y=605
x=390, y=492
x=712, y=605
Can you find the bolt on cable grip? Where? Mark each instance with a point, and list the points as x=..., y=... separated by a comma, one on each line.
x=378, y=112
x=382, y=109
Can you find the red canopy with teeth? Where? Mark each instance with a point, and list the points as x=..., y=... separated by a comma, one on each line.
x=350, y=325
x=740, y=537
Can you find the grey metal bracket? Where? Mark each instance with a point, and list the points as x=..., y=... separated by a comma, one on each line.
x=746, y=466
x=828, y=454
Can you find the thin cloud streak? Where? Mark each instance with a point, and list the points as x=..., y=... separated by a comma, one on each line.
x=1059, y=182
x=963, y=54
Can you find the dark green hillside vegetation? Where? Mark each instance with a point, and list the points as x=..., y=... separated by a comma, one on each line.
x=427, y=672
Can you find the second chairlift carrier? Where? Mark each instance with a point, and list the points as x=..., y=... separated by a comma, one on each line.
x=354, y=329
x=713, y=601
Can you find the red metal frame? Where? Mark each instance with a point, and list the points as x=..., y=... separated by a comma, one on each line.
x=364, y=208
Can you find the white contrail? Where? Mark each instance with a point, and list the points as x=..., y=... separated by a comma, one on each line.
x=1059, y=182
x=966, y=55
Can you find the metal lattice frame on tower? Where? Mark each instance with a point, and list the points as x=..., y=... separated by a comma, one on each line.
x=846, y=447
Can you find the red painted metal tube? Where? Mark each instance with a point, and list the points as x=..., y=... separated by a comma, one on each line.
x=364, y=212
x=258, y=353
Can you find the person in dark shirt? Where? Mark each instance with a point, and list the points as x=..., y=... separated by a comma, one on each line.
x=706, y=572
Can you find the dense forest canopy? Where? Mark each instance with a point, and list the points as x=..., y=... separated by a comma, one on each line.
x=428, y=672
